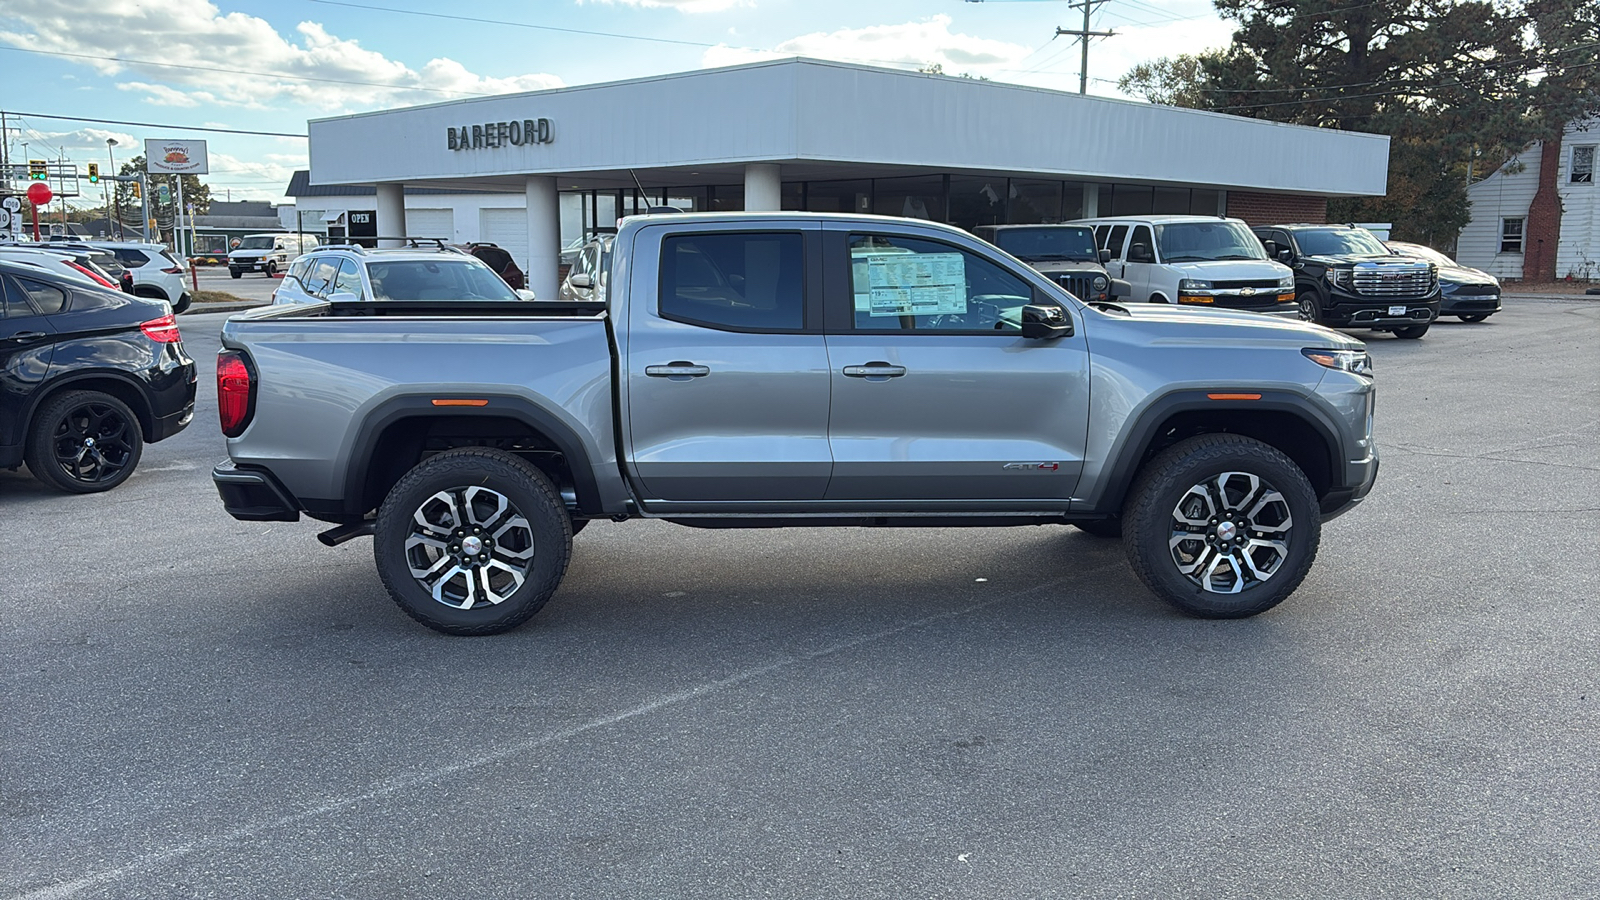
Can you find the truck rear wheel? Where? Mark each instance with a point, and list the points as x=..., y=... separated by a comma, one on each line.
x=472, y=541
x=1222, y=526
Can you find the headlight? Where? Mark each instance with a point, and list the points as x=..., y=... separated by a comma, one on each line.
x=1100, y=283
x=1286, y=283
x=1354, y=361
x=1340, y=277
x=1193, y=284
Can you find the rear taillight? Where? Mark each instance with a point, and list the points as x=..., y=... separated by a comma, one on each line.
x=92, y=274
x=127, y=282
x=173, y=270
x=163, y=330
x=235, y=392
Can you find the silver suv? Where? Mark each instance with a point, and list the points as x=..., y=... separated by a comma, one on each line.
x=413, y=273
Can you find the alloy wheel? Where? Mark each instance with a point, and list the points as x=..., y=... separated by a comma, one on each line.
x=1230, y=532
x=93, y=443
x=469, y=547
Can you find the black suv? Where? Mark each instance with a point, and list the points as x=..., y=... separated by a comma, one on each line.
x=88, y=375
x=1345, y=277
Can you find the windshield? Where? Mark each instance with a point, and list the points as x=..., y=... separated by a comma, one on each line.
x=1340, y=242
x=429, y=279
x=256, y=243
x=1051, y=242
x=1205, y=241
x=1417, y=251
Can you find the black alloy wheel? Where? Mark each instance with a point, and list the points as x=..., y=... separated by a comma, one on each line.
x=1310, y=307
x=84, y=442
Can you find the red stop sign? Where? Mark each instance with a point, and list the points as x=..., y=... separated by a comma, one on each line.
x=39, y=193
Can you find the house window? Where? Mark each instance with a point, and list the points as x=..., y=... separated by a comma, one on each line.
x=1583, y=165
x=1511, y=235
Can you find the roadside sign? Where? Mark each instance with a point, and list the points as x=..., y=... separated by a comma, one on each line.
x=5, y=220
x=11, y=204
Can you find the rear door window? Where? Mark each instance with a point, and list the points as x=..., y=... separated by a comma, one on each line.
x=130, y=257
x=46, y=298
x=734, y=281
x=322, y=274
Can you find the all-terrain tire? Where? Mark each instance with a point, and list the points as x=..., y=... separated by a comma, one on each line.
x=1280, y=505
x=492, y=567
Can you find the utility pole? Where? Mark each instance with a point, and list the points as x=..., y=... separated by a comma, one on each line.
x=1084, y=34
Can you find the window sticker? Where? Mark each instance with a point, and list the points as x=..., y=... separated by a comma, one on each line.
x=913, y=284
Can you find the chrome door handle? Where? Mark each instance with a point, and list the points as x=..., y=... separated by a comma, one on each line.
x=24, y=337
x=875, y=370
x=677, y=369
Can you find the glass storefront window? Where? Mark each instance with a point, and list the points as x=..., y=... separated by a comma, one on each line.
x=794, y=195
x=1171, y=201
x=916, y=197
x=727, y=197
x=839, y=196
x=688, y=199
x=1131, y=200
x=1034, y=202
x=1072, y=200
x=1204, y=203
x=976, y=200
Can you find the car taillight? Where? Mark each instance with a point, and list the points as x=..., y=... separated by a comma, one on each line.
x=173, y=270
x=127, y=282
x=92, y=274
x=235, y=392
x=163, y=330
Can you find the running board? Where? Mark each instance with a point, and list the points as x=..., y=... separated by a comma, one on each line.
x=333, y=537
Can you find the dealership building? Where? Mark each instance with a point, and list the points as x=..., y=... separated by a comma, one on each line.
x=535, y=171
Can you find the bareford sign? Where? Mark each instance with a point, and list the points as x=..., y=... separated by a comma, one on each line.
x=500, y=134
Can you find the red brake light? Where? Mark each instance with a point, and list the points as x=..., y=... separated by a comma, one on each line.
x=91, y=273
x=235, y=391
x=163, y=330
x=173, y=270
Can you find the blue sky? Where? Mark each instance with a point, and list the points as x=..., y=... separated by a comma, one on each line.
x=269, y=65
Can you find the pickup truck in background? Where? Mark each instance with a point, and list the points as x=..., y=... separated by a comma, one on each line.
x=767, y=369
x=1344, y=277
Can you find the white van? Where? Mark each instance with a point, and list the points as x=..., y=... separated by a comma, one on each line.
x=1205, y=261
x=268, y=253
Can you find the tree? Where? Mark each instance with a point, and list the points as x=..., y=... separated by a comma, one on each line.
x=162, y=206
x=1447, y=81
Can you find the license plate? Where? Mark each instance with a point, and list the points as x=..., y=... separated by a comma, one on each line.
x=1397, y=310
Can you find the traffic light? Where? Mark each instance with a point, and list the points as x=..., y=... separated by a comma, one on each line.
x=94, y=173
x=137, y=193
x=38, y=170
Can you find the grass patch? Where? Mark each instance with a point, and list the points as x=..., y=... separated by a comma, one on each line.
x=216, y=297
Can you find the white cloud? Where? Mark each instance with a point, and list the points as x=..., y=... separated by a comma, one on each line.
x=919, y=44
x=81, y=139
x=687, y=6
x=195, y=33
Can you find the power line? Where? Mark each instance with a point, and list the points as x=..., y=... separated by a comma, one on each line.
x=158, y=125
x=1083, y=34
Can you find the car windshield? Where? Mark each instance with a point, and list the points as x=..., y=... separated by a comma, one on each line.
x=1339, y=242
x=1417, y=251
x=436, y=279
x=1049, y=242
x=256, y=243
x=1205, y=241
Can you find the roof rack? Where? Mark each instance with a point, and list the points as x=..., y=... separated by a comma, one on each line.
x=411, y=242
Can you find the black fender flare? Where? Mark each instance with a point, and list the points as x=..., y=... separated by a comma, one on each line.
x=398, y=409
x=144, y=409
x=1130, y=452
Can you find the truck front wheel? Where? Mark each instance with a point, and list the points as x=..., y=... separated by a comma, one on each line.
x=1310, y=306
x=472, y=541
x=1222, y=526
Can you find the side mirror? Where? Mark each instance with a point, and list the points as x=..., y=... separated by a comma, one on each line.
x=525, y=294
x=1120, y=288
x=1285, y=255
x=1045, y=322
x=1140, y=253
x=581, y=281
x=1105, y=256
x=1271, y=247
x=342, y=297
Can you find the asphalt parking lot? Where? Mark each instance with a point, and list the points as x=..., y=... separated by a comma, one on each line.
x=248, y=286
x=199, y=707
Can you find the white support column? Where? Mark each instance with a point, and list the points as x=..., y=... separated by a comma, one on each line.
x=391, y=213
x=544, y=237
x=763, y=187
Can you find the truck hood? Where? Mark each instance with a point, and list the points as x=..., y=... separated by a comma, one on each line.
x=1066, y=267
x=1221, y=326
x=1232, y=269
x=1343, y=259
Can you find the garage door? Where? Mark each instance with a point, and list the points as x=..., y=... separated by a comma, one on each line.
x=507, y=228
x=431, y=223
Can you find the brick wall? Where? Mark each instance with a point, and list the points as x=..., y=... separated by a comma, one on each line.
x=1276, y=209
x=1541, y=233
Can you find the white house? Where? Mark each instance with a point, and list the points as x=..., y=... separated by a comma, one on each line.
x=1538, y=217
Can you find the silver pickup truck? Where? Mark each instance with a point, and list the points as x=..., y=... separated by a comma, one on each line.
x=766, y=369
